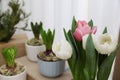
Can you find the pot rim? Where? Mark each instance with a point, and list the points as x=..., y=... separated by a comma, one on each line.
x=49, y=61
x=25, y=71
x=34, y=46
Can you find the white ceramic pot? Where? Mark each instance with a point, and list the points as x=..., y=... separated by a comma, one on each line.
x=32, y=51
x=21, y=76
x=51, y=69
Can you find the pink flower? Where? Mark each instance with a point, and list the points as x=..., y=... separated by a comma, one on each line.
x=83, y=29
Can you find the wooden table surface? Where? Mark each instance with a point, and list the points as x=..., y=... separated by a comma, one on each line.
x=32, y=70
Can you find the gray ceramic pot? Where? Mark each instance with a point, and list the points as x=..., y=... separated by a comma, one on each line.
x=51, y=69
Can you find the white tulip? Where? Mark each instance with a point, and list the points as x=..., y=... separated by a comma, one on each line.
x=105, y=43
x=62, y=50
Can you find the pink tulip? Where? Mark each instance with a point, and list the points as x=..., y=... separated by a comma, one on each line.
x=78, y=34
x=81, y=23
x=81, y=29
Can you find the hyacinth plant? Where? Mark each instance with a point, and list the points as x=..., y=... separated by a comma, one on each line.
x=90, y=56
x=10, y=19
x=11, y=67
x=36, y=28
x=48, y=38
x=9, y=55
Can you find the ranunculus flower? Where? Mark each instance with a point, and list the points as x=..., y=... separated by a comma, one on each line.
x=105, y=43
x=62, y=50
x=83, y=29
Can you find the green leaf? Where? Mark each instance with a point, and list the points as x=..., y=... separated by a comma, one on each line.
x=105, y=68
x=48, y=38
x=90, y=23
x=9, y=55
x=105, y=30
x=86, y=75
x=91, y=62
x=36, y=28
x=101, y=58
x=72, y=61
x=73, y=24
x=76, y=61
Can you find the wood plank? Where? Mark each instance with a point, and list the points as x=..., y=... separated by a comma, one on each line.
x=32, y=71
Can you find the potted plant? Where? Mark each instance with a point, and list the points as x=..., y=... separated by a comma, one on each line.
x=35, y=45
x=10, y=18
x=11, y=70
x=92, y=55
x=49, y=65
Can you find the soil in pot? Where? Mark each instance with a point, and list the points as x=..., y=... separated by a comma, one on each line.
x=7, y=71
x=48, y=56
x=35, y=42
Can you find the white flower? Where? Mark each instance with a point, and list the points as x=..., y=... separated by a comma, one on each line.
x=105, y=43
x=62, y=50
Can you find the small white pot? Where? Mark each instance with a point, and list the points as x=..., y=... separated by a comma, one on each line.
x=51, y=69
x=21, y=76
x=32, y=51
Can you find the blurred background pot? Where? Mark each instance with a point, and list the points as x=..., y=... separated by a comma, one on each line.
x=32, y=51
x=36, y=44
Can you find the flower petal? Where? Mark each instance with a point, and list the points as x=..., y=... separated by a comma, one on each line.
x=62, y=49
x=105, y=43
x=78, y=34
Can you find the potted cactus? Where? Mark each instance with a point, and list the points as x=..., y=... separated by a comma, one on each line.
x=11, y=70
x=10, y=19
x=48, y=58
x=35, y=45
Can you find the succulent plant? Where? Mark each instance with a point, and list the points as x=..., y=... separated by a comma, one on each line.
x=36, y=28
x=10, y=18
x=9, y=55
